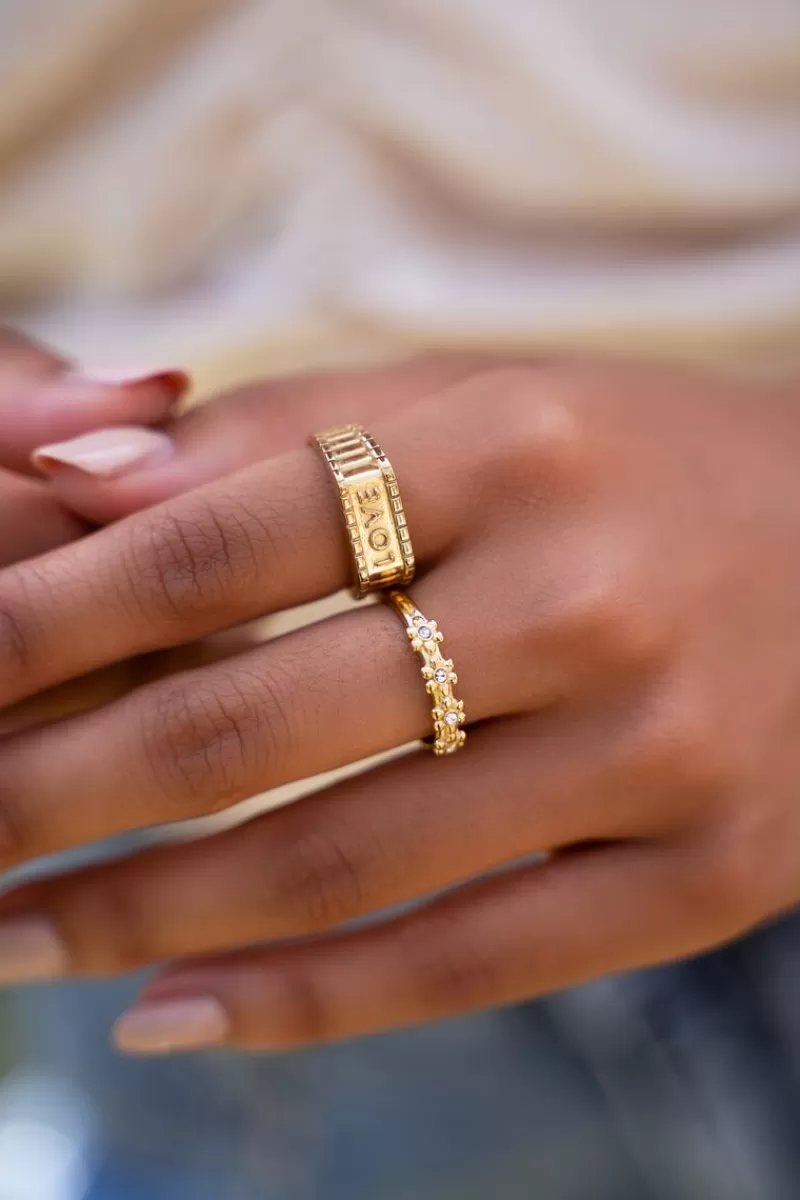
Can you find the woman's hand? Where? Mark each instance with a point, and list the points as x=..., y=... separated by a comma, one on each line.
x=44, y=396
x=614, y=559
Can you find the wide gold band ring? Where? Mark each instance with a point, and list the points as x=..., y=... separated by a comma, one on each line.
x=373, y=511
x=439, y=676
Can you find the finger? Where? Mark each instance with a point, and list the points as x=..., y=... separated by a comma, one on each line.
x=533, y=931
x=397, y=833
x=102, y=687
x=32, y=520
x=44, y=398
x=266, y=539
x=324, y=696
x=117, y=471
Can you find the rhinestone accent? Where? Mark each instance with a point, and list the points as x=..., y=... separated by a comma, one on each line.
x=447, y=711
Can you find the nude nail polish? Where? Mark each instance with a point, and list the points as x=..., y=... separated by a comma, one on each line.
x=30, y=949
x=106, y=453
x=166, y=1026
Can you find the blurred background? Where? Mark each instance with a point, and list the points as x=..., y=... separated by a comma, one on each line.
x=250, y=187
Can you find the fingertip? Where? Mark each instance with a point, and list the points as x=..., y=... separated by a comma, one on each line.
x=111, y=473
x=172, y=1025
x=173, y=378
x=82, y=399
x=105, y=453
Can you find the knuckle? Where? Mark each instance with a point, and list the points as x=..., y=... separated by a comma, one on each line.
x=735, y=881
x=195, y=561
x=598, y=620
x=731, y=889
x=548, y=442
x=104, y=929
x=210, y=743
x=16, y=649
x=677, y=740
x=448, y=970
x=318, y=879
x=594, y=618
x=16, y=841
x=299, y=1013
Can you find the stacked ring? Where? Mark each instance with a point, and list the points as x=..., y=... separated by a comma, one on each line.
x=439, y=675
x=383, y=557
x=373, y=510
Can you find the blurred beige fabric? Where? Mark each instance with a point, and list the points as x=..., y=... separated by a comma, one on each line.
x=251, y=185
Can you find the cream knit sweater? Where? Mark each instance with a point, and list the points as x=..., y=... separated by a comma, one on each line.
x=247, y=185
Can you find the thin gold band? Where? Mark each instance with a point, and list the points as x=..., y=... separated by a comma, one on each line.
x=375, y=520
x=438, y=673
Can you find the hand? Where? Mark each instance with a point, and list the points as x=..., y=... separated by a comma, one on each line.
x=43, y=395
x=612, y=556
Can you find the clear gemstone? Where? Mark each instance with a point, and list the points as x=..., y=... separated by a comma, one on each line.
x=425, y=633
x=440, y=676
x=451, y=718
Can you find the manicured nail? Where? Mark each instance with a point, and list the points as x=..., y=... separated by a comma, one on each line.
x=169, y=377
x=106, y=453
x=164, y=1026
x=30, y=949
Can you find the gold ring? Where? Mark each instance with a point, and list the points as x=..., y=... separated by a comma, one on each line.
x=373, y=510
x=439, y=675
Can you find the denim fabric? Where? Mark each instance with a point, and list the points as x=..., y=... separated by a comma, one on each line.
x=681, y=1083
x=675, y=1084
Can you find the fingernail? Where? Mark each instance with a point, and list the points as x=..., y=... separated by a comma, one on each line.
x=30, y=949
x=106, y=453
x=163, y=1026
x=170, y=377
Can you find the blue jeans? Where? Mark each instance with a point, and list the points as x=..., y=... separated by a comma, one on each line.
x=681, y=1083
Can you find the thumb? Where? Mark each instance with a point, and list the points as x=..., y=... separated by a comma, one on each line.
x=44, y=397
x=115, y=471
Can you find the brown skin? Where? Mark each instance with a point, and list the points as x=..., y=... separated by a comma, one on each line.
x=612, y=555
x=43, y=397
x=33, y=520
